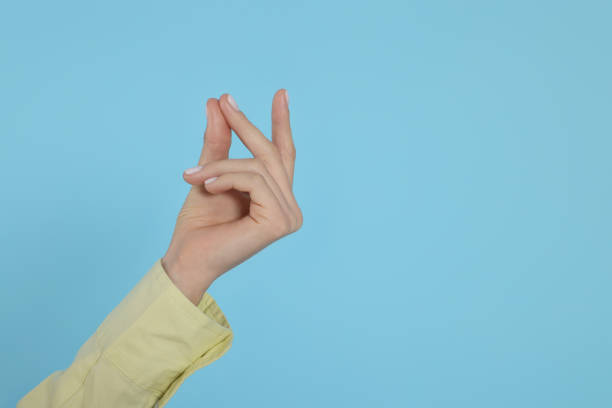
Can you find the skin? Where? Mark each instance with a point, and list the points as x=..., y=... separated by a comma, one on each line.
x=248, y=206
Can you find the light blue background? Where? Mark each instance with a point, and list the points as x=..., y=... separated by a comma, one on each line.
x=453, y=170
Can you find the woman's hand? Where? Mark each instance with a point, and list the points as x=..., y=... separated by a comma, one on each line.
x=236, y=207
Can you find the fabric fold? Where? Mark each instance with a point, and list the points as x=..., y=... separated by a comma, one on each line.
x=142, y=351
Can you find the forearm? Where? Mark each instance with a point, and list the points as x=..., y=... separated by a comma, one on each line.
x=141, y=352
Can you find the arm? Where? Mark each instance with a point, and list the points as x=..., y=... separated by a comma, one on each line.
x=168, y=326
x=142, y=351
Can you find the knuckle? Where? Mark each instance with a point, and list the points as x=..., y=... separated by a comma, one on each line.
x=258, y=166
x=255, y=179
x=252, y=177
x=288, y=226
x=282, y=226
x=300, y=219
x=297, y=221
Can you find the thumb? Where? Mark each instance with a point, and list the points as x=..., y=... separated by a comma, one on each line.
x=218, y=135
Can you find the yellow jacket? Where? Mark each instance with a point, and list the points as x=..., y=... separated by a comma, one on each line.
x=141, y=353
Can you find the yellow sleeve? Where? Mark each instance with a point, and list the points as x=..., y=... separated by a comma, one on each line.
x=141, y=353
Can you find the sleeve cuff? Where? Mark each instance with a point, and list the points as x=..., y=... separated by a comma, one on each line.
x=157, y=338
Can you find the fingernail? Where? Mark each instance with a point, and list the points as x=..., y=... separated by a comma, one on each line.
x=232, y=102
x=193, y=170
x=287, y=98
x=210, y=180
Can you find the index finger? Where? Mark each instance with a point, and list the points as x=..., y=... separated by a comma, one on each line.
x=253, y=139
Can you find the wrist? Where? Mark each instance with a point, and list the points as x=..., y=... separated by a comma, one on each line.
x=193, y=284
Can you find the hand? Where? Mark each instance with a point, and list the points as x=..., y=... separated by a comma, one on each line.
x=244, y=205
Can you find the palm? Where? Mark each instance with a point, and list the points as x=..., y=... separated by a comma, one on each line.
x=204, y=219
x=203, y=209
